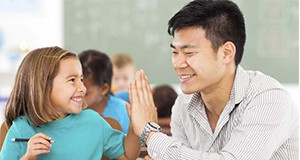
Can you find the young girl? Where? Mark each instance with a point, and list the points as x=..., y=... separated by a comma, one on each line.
x=97, y=69
x=46, y=105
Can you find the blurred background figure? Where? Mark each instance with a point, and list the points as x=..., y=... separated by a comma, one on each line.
x=97, y=71
x=123, y=74
x=164, y=97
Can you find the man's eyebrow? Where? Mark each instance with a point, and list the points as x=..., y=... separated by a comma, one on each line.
x=183, y=47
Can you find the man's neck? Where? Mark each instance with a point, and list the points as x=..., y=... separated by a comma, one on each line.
x=215, y=99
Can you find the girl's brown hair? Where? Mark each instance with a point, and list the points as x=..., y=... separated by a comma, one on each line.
x=30, y=95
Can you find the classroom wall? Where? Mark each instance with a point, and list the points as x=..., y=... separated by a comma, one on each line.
x=139, y=27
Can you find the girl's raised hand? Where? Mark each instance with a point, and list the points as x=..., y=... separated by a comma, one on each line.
x=37, y=144
x=142, y=105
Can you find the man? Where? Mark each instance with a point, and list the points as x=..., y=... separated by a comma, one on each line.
x=225, y=112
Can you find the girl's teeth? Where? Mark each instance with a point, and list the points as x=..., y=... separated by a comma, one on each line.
x=77, y=99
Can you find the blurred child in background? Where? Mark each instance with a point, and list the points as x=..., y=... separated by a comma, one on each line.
x=123, y=74
x=97, y=70
x=164, y=97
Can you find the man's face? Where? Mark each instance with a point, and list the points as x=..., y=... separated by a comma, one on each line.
x=198, y=66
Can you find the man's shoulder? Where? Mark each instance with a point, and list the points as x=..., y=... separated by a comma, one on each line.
x=261, y=82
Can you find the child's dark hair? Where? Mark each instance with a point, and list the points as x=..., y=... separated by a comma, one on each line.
x=164, y=97
x=98, y=65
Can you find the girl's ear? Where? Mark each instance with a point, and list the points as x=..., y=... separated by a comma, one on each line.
x=104, y=89
x=228, y=52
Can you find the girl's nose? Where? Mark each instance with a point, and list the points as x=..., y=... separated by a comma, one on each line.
x=82, y=89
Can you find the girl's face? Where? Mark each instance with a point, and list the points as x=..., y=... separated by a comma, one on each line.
x=68, y=91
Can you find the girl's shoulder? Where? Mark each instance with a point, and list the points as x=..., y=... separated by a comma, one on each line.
x=90, y=115
x=22, y=124
x=22, y=121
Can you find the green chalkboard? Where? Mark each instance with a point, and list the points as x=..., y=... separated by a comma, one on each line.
x=139, y=28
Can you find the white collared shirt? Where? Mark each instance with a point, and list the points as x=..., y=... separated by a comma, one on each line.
x=259, y=122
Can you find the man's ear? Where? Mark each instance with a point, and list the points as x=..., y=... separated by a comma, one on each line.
x=228, y=52
x=104, y=89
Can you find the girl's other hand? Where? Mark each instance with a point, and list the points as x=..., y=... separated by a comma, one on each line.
x=37, y=144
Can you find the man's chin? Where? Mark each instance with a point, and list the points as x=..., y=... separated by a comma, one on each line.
x=186, y=90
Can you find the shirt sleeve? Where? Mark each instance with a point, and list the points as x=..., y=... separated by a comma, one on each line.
x=11, y=150
x=113, y=142
x=176, y=124
x=162, y=147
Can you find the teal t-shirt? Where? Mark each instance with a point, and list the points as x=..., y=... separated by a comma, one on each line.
x=83, y=136
x=115, y=108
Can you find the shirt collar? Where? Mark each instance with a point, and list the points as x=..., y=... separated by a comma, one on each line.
x=238, y=90
x=241, y=83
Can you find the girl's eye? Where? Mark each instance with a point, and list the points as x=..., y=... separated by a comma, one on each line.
x=72, y=80
x=81, y=79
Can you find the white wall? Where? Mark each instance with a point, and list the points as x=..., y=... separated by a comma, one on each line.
x=25, y=25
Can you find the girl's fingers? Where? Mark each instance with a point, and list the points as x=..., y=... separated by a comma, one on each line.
x=148, y=158
x=40, y=146
x=134, y=97
x=130, y=92
x=42, y=135
x=128, y=108
x=144, y=84
x=149, y=92
x=40, y=141
x=139, y=85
